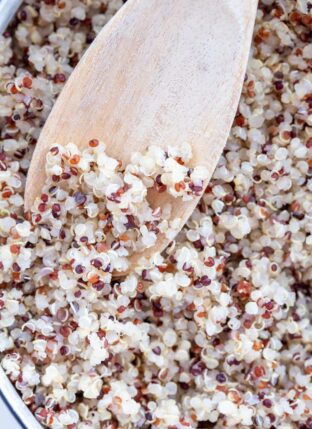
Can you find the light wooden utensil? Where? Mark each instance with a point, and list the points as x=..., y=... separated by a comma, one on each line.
x=160, y=72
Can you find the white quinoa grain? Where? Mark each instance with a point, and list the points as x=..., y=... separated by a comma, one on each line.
x=216, y=331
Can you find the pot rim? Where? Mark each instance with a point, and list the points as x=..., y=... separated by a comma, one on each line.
x=15, y=404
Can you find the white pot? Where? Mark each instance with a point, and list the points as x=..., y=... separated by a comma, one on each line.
x=8, y=9
x=14, y=414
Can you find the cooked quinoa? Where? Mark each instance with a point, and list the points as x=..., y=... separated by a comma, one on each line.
x=100, y=209
x=215, y=332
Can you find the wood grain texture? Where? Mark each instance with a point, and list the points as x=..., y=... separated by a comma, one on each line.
x=160, y=72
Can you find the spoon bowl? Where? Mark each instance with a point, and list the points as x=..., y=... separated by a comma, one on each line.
x=160, y=72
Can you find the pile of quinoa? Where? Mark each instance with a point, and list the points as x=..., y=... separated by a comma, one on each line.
x=214, y=332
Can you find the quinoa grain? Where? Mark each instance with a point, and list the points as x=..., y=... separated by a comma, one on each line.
x=215, y=332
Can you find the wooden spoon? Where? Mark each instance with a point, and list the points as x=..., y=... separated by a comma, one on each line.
x=160, y=72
